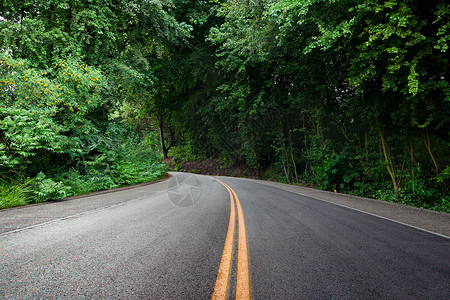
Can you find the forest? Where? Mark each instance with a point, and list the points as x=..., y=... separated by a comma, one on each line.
x=349, y=96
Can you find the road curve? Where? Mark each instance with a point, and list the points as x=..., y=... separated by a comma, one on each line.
x=168, y=240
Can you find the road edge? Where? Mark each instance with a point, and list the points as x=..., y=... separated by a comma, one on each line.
x=87, y=195
x=422, y=219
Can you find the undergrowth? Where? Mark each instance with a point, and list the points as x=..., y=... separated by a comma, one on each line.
x=117, y=164
x=14, y=194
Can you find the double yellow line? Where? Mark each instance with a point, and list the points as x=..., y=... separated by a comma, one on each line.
x=243, y=282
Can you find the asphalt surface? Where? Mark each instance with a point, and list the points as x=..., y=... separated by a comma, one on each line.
x=165, y=241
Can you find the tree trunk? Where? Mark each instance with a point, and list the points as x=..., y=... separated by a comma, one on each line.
x=286, y=164
x=389, y=164
x=409, y=146
x=427, y=143
x=164, y=149
x=291, y=150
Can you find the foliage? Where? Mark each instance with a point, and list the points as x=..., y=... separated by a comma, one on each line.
x=343, y=95
x=334, y=171
x=350, y=92
x=23, y=135
x=46, y=113
x=63, y=95
x=46, y=189
x=129, y=163
x=14, y=194
x=119, y=163
x=65, y=68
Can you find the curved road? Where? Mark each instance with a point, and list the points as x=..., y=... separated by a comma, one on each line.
x=199, y=237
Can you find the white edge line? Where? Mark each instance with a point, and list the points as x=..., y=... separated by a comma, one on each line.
x=371, y=214
x=61, y=219
x=381, y=217
x=361, y=211
x=89, y=211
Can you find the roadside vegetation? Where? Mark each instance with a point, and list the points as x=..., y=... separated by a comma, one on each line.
x=346, y=96
x=110, y=164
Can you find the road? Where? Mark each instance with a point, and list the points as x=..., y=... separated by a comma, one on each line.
x=202, y=237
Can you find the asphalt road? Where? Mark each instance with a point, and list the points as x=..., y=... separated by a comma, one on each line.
x=169, y=240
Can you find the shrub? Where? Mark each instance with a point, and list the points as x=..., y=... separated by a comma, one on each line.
x=47, y=189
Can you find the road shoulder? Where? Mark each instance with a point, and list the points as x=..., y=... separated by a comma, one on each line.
x=21, y=217
x=427, y=220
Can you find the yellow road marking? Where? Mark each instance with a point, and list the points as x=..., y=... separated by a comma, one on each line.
x=243, y=281
x=220, y=289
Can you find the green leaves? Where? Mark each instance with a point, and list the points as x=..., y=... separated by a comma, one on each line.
x=45, y=111
x=63, y=95
x=304, y=86
x=47, y=189
x=333, y=73
x=443, y=21
x=22, y=136
x=15, y=194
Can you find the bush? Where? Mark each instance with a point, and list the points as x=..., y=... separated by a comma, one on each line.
x=113, y=163
x=334, y=170
x=23, y=134
x=122, y=164
x=47, y=189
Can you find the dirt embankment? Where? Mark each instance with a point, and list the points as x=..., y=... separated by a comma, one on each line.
x=211, y=167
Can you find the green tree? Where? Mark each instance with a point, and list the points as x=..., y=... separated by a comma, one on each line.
x=48, y=110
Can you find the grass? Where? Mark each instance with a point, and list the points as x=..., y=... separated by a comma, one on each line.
x=13, y=194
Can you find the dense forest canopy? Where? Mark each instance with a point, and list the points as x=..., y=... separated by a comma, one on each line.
x=345, y=95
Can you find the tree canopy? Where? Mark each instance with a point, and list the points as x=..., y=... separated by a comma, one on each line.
x=345, y=95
